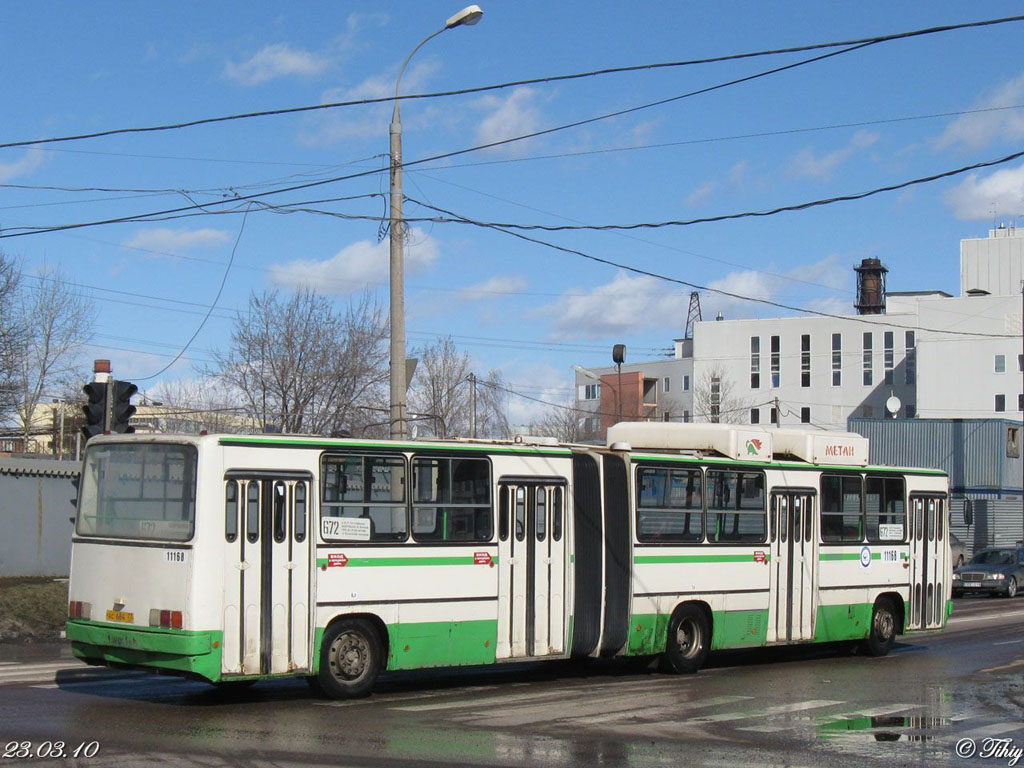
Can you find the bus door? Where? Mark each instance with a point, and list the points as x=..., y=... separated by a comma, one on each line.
x=793, y=564
x=531, y=568
x=927, y=547
x=266, y=617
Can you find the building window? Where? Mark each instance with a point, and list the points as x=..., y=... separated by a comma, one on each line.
x=755, y=415
x=888, y=356
x=1000, y=403
x=869, y=412
x=775, y=361
x=910, y=350
x=1020, y=363
x=1020, y=402
x=910, y=410
x=716, y=398
x=686, y=383
x=773, y=415
x=868, y=373
x=837, y=359
x=591, y=391
x=686, y=417
x=666, y=416
x=1000, y=364
x=805, y=415
x=805, y=360
x=755, y=362
x=666, y=382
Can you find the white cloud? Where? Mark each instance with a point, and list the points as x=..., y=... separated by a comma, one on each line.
x=356, y=266
x=624, y=305
x=514, y=115
x=370, y=122
x=807, y=163
x=274, y=61
x=26, y=165
x=701, y=194
x=631, y=304
x=171, y=241
x=979, y=198
x=981, y=129
x=495, y=285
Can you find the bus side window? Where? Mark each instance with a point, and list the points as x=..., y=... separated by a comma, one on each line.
x=299, y=524
x=252, y=512
x=503, y=513
x=556, y=515
x=280, y=510
x=231, y=511
x=520, y=513
x=542, y=513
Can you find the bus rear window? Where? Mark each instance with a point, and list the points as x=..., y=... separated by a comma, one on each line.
x=138, y=491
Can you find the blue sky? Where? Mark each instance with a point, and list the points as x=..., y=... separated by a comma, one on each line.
x=854, y=122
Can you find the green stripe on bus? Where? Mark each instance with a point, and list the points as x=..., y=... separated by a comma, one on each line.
x=532, y=450
x=662, y=559
x=369, y=562
x=846, y=556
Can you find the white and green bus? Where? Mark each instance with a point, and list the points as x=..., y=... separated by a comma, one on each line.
x=233, y=558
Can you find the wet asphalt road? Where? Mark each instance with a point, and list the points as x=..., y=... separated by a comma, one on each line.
x=810, y=706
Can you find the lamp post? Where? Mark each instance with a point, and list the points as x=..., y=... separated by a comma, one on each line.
x=466, y=17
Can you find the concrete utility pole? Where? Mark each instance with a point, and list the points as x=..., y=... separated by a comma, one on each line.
x=466, y=17
x=778, y=414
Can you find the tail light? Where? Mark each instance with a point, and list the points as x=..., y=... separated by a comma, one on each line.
x=159, y=617
x=79, y=610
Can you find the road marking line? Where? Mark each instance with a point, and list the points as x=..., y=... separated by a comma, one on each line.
x=1009, y=642
x=482, y=702
x=622, y=713
x=987, y=617
x=1011, y=665
x=875, y=712
x=780, y=709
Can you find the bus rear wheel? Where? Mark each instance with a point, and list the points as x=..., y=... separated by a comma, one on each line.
x=882, y=636
x=350, y=659
x=689, y=637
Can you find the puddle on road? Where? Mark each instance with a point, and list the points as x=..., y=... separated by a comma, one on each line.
x=886, y=727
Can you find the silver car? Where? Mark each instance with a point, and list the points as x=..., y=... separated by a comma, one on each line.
x=958, y=551
x=996, y=570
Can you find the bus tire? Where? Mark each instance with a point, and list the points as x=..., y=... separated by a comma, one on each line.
x=689, y=637
x=882, y=635
x=350, y=659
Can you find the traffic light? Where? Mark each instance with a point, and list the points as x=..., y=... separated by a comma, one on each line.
x=95, y=408
x=122, y=410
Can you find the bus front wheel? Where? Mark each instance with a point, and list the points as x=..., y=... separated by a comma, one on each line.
x=882, y=636
x=689, y=637
x=350, y=659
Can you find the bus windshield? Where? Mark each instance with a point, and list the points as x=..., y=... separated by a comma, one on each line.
x=138, y=491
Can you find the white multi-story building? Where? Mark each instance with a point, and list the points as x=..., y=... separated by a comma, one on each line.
x=904, y=355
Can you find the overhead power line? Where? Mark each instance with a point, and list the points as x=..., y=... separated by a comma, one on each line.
x=725, y=216
x=515, y=83
x=719, y=291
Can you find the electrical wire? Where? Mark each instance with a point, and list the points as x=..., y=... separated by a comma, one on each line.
x=697, y=286
x=213, y=305
x=517, y=83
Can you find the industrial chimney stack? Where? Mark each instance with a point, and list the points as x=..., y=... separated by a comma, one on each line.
x=870, y=287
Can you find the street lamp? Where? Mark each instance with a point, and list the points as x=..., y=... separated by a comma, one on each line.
x=466, y=17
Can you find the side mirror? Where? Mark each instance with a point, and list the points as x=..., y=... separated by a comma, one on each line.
x=968, y=512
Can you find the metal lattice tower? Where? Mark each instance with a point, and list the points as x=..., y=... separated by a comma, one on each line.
x=693, y=315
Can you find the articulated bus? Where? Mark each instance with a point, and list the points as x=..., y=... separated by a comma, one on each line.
x=237, y=558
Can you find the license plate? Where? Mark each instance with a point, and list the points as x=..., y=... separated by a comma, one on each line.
x=971, y=584
x=123, y=616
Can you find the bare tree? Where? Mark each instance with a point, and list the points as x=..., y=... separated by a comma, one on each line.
x=562, y=422
x=57, y=320
x=442, y=392
x=715, y=399
x=196, y=404
x=11, y=338
x=298, y=365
